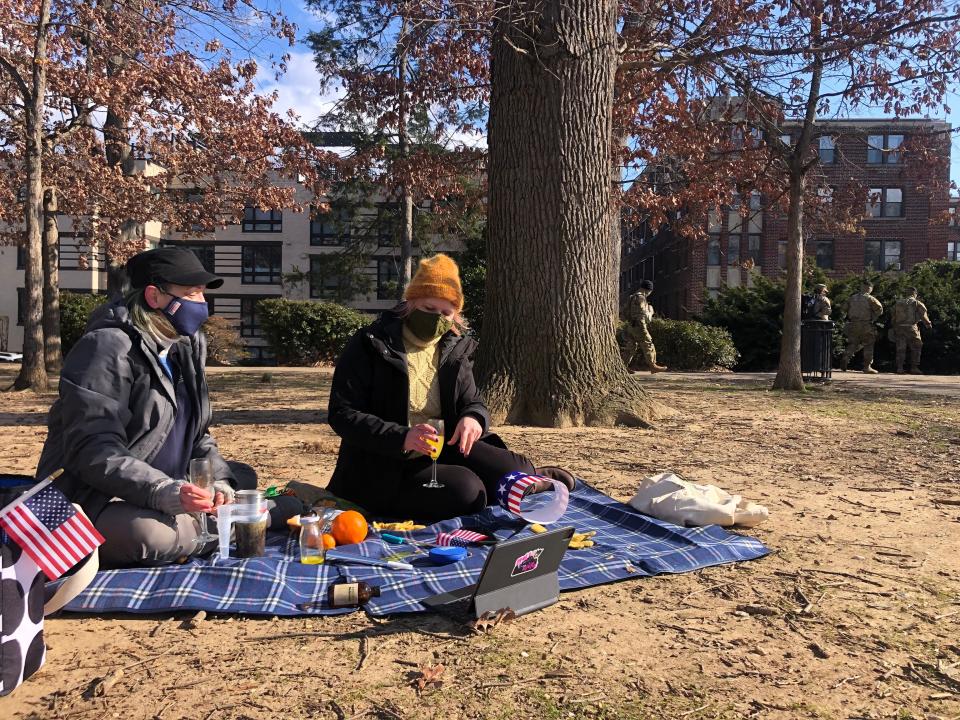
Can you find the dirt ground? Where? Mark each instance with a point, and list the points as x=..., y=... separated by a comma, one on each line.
x=856, y=613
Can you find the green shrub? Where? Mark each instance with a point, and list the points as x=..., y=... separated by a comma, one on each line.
x=754, y=315
x=75, y=310
x=307, y=333
x=938, y=287
x=689, y=345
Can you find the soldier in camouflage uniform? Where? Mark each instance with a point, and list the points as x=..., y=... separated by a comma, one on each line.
x=821, y=304
x=636, y=336
x=863, y=310
x=907, y=313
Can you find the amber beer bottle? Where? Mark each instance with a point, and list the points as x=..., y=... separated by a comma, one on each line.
x=352, y=594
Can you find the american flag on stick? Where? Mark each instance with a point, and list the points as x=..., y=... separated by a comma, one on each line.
x=460, y=537
x=49, y=529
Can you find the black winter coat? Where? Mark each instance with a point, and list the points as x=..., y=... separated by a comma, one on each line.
x=369, y=403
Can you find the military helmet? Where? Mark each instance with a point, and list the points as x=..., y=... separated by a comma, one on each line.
x=819, y=286
x=646, y=285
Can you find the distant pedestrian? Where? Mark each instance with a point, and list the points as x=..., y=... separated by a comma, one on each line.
x=821, y=304
x=636, y=335
x=863, y=311
x=907, y=314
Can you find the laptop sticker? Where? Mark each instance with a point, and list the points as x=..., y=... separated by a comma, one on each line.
x=528, y=562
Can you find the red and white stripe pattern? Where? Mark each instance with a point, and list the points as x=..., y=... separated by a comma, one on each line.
x=50, y=530
x=511, y=490
x=460, y=537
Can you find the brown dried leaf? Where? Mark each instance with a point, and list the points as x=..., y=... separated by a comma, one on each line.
x=429, y=674
x=491, y=619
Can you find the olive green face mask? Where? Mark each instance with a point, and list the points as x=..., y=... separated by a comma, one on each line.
x=428, y=326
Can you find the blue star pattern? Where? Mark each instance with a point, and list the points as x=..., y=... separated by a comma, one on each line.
x=50, y=507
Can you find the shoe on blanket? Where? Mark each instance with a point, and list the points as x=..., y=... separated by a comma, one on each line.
x=555, y=473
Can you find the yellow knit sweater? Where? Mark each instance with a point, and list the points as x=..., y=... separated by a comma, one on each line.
x=423, y=361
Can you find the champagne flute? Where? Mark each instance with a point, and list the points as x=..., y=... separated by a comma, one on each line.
x=436, y=447
x=201, y=475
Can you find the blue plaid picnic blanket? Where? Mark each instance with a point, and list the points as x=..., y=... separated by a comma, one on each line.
x=627, y=545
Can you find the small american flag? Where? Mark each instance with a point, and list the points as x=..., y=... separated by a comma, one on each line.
x=49, y=529
x=510, y=491
x=460, y=537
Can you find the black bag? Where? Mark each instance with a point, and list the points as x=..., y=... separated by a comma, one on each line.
x=23, y=602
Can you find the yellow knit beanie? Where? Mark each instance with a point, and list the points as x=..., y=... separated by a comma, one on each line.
x=437, y=277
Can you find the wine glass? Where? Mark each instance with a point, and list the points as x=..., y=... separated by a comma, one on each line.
x=436, y=446
x=201, y=475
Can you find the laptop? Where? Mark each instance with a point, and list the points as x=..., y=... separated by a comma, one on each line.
x=518, y=574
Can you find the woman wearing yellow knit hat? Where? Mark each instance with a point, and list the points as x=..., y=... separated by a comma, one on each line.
x=411, y=365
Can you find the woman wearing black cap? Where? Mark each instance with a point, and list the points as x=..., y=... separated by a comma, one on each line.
x=134, y=410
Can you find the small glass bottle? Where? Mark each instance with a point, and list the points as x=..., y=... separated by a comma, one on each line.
x=312, y=551
x=351, y=594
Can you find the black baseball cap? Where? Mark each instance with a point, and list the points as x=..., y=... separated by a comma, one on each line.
x=175, y=265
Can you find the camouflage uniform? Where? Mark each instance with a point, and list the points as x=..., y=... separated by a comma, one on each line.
x=863, y=310
x=821, y=308
x=906, y=314
x=636, y=336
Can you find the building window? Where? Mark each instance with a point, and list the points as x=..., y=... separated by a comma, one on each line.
x=882, y=254
x=713, y=251
x=828, y=150
x=388, y=277
x=733, y=250
x=256, y=220
x=884, y=149
x=825, y=254
x=324, y=282
x=786, y=140
x=206, y=254
x=953, y=251
x=329, y=228
x=753, y=250
x=782, y=254
x=21, y=304
x=387, y=224
x=885, y=202
x=261, y=264
x=893, y=202
x=249, y=317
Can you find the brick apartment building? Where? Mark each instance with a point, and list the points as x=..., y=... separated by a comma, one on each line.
x=902, y=225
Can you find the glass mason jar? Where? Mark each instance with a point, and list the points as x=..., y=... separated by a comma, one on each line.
x=312, y=551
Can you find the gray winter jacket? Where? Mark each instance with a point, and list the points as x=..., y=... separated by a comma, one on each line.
x=115, y=410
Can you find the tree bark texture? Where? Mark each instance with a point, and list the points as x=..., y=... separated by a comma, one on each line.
x=119, y=154
x=789, y=374
x=33, y=374
x=53, y=357
x=549, y=354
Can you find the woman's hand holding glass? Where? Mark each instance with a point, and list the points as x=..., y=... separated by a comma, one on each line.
x=417, y=437
x=196, y=499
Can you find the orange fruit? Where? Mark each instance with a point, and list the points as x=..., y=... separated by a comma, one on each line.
x=328, y=541
x=349, y=527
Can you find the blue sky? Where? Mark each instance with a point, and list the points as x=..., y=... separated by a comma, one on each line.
x=299, y=88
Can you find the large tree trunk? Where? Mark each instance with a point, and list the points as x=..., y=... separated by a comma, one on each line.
x=403, y=131
x=33, y=373
x=53, y=357
x=119, y=154
x=549, y=354
x=789, y=374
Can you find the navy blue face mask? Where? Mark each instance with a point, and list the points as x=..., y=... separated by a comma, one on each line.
x=186, y=316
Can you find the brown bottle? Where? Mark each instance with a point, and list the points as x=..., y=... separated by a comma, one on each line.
x=352, y=594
